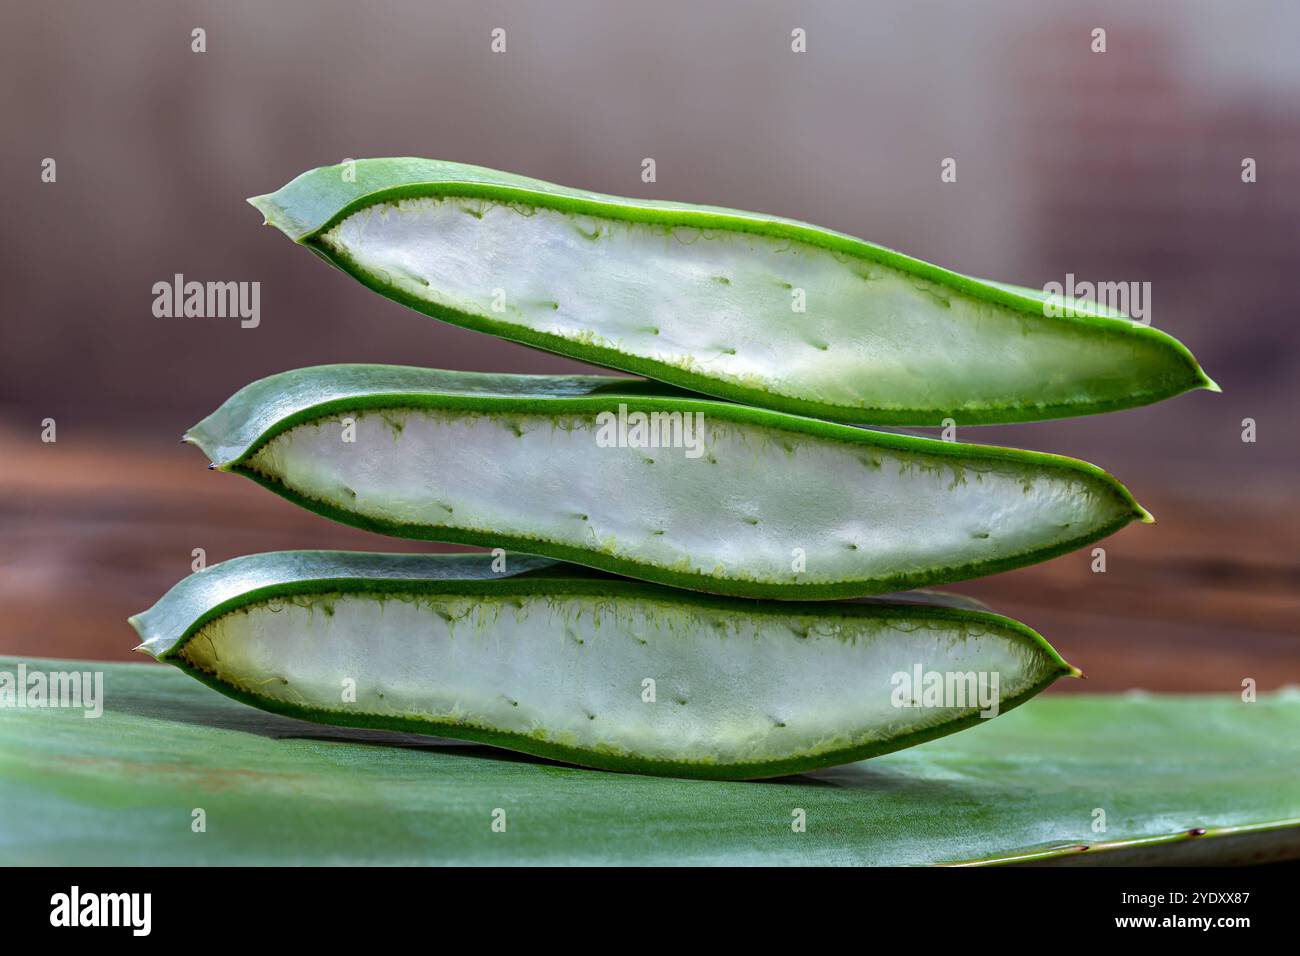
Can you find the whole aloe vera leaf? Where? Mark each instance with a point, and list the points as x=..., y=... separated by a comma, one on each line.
x=561, y=662
x=772, y=505
x=120, y=790
x=739, y=305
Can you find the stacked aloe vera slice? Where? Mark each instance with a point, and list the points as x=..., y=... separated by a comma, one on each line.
x=690, y=576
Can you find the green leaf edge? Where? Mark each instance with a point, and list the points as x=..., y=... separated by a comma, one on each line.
x=536, y=576
x=314, y=201
x=1064, y=852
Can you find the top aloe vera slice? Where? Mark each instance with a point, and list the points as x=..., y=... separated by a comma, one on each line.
x=752, y=502
x=705, y=298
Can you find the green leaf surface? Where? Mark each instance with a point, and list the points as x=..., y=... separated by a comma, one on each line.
x=741, y=305
x=122, y=788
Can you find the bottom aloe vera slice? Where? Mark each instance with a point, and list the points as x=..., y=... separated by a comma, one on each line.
x=560, y=662
x=644, y=480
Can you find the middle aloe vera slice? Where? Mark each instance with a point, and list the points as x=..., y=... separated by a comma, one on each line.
x=640, y=479
x=561, y=662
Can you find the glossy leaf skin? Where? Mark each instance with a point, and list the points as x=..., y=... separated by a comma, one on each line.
x=517, y=462
x=118, y=790
x=883, y=339
x=552, y=661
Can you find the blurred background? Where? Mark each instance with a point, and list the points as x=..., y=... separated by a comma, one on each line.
x=1122, y=166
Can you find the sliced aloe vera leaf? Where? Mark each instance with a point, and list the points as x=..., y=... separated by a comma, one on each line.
x=120, y=790
x=569, y=664
x=772, y=505
x=709, y=299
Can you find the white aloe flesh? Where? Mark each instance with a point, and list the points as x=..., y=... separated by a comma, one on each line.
x=754, y=317
x=625, y=682
x=760, y=512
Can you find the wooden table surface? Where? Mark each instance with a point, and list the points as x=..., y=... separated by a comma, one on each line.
x=91, y=533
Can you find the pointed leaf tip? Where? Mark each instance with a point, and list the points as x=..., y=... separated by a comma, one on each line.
x=259, y=203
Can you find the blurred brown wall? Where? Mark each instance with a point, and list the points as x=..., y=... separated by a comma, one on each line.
x=1119, y=166
x=1122, y=165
